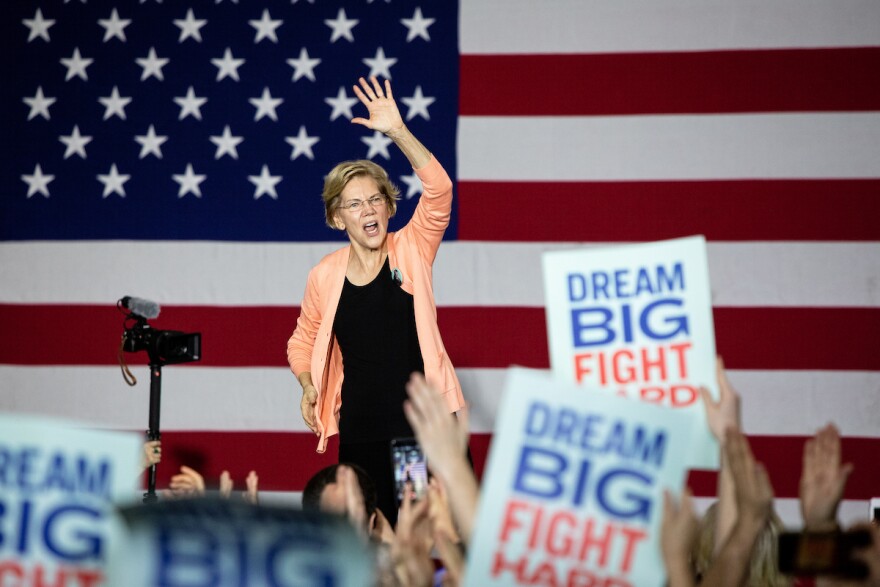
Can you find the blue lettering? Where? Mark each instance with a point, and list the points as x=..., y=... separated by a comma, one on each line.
x=680, y=323
x=620, y=283
x=188, y=557
x=577, y=287
x=94, y=480
x=25, y=468
x=315, y=574
x=636, y=505
x=56, y=476
x=91, y=542
x=671, y=280
x=600, y=284
x=539, y=472
x=643, y=282
x=538, y=419
x=581, y=326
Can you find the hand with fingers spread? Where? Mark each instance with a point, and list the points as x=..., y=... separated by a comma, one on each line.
x=823, y=479
x=384, y=115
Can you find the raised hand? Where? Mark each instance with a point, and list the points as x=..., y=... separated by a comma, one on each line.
x=754, y=494
x=187, y=483
x=823, y=479
x=226, y=485
x=441, y=435
x=678, y=532
x=384, y=114
x=725, y=413
x=251, y=495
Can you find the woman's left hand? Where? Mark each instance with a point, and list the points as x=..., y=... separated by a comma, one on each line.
x=384, y=114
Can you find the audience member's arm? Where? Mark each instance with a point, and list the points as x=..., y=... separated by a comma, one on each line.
x=721, y=415
x=823, y=480
x=354, y=498
x=754, y=503
x=411, y=551
x=444, y=441
x=678, y=532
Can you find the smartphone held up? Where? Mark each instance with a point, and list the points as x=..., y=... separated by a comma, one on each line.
x=410, y=466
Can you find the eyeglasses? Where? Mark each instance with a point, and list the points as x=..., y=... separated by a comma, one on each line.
x=357, y=205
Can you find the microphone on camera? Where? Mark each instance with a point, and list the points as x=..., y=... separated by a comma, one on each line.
x=140, y=307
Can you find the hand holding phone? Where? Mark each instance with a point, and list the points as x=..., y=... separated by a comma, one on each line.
x=811, y=554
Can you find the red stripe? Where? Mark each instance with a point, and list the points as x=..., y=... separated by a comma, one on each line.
x=777, y=80
x=475, y=337
x=284, y=461
x=767, y=210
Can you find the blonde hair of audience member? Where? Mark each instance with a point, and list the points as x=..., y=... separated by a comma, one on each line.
x=763, y=567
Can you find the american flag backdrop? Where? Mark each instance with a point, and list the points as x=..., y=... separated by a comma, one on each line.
x=174, y=151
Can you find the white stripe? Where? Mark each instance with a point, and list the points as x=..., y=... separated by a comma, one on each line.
x=263, y=399
x=602, y=26
x=851, y=511
x=465, y=273
x=667, y=147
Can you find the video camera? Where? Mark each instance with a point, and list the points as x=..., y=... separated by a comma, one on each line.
x=164, y=347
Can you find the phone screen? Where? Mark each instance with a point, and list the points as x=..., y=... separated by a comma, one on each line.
x=409, y=465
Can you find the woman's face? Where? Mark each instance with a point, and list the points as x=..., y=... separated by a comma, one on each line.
x=367, y=225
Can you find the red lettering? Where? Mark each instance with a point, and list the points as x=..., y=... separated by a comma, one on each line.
x=659, y=363
x=510, y=522
x=679, y=349
x=501, y=565
x=633, y=537
x=14, y=574
x=653, y=395
x=682, y=395
x=601, y=542
x=545, y=574
x=553, y=545
x=623, y=374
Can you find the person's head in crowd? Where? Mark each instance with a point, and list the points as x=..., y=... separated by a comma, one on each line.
x=763, y=566
x=323, y=493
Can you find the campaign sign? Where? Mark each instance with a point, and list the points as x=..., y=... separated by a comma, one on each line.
x=58, y=487
x=573, y=488
x=230, y=543
x=636, y=321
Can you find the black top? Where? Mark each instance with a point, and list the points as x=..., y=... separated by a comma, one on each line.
x=375, y=326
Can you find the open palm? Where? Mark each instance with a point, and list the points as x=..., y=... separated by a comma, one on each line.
x=384, y=114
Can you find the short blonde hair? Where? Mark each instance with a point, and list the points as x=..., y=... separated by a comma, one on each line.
x=343, y=173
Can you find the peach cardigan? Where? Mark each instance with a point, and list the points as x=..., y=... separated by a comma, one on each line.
x=411, y=250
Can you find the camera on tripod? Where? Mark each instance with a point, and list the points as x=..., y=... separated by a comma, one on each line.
x=164, y=347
